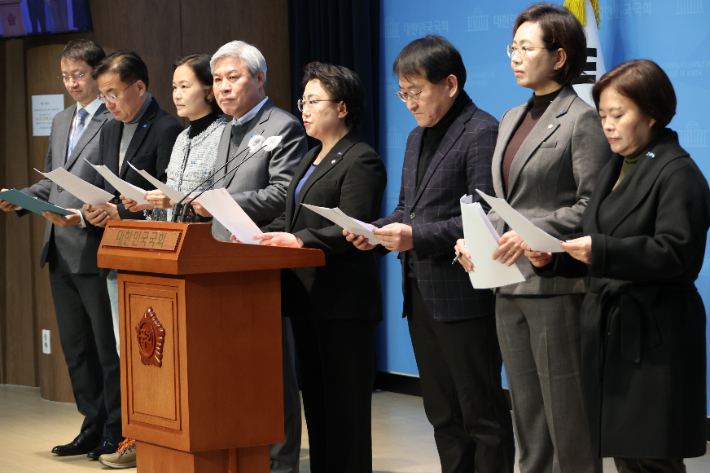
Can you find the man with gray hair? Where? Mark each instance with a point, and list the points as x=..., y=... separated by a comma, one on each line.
x=258, y=184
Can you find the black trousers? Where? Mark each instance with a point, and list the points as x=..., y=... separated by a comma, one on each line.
x=459, y=368
x=649, y=465
x=336, y=362
x=86, y=334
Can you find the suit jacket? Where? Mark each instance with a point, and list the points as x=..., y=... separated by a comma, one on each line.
x=642, y=322
x=75, y=247
x=551, y=177
x=149, y=150
x=351, y=177
x=461, y=165
x=259, y=184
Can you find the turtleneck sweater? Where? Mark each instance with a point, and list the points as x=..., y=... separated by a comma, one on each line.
x=201, y=124
x=631, y=160
x=539, y=105
x=433, y=136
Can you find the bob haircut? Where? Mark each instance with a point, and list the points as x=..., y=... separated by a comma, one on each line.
x=560, y=29
x=646, y=84
x=200, y=65
x=342, y=85
x=431, y=57
x=127, y=64
x=83, y=50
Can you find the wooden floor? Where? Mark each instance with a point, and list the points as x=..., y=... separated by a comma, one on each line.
x=402, y=438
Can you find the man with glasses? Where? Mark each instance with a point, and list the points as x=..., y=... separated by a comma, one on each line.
x=81, y=299
x=142, y=134
x=452, y=325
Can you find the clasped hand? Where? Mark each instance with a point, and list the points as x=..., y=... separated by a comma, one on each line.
x=98, y=215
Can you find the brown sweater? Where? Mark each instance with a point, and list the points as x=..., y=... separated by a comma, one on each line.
x=539, y=105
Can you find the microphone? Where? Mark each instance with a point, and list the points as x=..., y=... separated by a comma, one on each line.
x=267, y=144
x=255, y=141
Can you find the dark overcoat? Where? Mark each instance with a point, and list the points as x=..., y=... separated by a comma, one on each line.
x=643, y=321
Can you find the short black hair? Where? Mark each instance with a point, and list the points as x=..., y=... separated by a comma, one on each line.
x=342, y=85
x=560, y=29
x=200, y=65
x=127, y=64
x=83, y=50
x=431, y=57
x=646, y=84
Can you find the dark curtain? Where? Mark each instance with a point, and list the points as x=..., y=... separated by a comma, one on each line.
x=341, y=32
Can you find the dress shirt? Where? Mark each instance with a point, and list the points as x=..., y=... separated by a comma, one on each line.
x=249, y=115
x=91, y=110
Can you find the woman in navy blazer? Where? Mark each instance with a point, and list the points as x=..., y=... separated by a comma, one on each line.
x=334, y=308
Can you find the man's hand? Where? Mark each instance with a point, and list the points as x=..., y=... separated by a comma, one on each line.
x=360, y=242
x=464, y=257
x=62, y=220
x=199, y=209
x=510, y=248
x=7, y=206
x=580, y=248
x=395, y=237
x=288, y=240
x=98, y=215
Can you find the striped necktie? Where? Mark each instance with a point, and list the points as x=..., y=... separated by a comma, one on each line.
x=80, y=125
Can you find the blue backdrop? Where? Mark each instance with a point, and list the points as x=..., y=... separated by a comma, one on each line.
x=673, y=33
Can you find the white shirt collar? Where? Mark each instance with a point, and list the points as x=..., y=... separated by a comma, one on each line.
x=91, y=108
x=250, y=114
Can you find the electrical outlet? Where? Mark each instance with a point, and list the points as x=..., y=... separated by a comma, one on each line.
x=46, y=344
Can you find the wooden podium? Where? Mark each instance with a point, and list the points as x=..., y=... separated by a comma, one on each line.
x=201, y=362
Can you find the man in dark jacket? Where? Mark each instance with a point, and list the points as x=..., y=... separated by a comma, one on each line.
x=451, y=324
x=143, y=134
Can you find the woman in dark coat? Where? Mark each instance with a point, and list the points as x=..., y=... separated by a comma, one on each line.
x=642, y=321
x=335, y=308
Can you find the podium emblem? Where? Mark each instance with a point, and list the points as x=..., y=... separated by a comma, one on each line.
x=151, y=339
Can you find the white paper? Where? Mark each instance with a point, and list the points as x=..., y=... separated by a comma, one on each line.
x=481, y=243
x=161, y=186
x=350, y=224
x=44, y=108
x=538, y=239
x=220, y=204
x=125, y=188
x=79, y=188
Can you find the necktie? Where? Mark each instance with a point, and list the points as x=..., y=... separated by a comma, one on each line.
x=80, y=124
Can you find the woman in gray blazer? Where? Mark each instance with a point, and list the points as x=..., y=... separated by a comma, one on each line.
x=548, y=154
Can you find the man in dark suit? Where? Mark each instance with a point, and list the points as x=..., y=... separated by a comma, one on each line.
x=451, y=324
x=80, y=296
x=143, y=134
x=258, y=184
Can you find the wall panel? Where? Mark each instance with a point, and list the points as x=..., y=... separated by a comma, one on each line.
x=160, y=31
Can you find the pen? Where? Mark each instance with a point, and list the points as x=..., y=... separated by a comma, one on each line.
x=458, y=255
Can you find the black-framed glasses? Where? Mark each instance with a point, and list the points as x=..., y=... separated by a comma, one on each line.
x=68, y=77
x=113, y=98
x=411, y=95
x=522, y=50
x=304, y=104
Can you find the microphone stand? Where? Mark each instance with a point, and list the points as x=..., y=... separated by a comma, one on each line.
x=181, y=211
x=177, y=209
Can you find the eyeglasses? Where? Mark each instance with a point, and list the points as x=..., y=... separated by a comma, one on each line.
x=413, y=96
x=522, y=50
x=67, y=77
x=113, y=98
x=304, y=104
